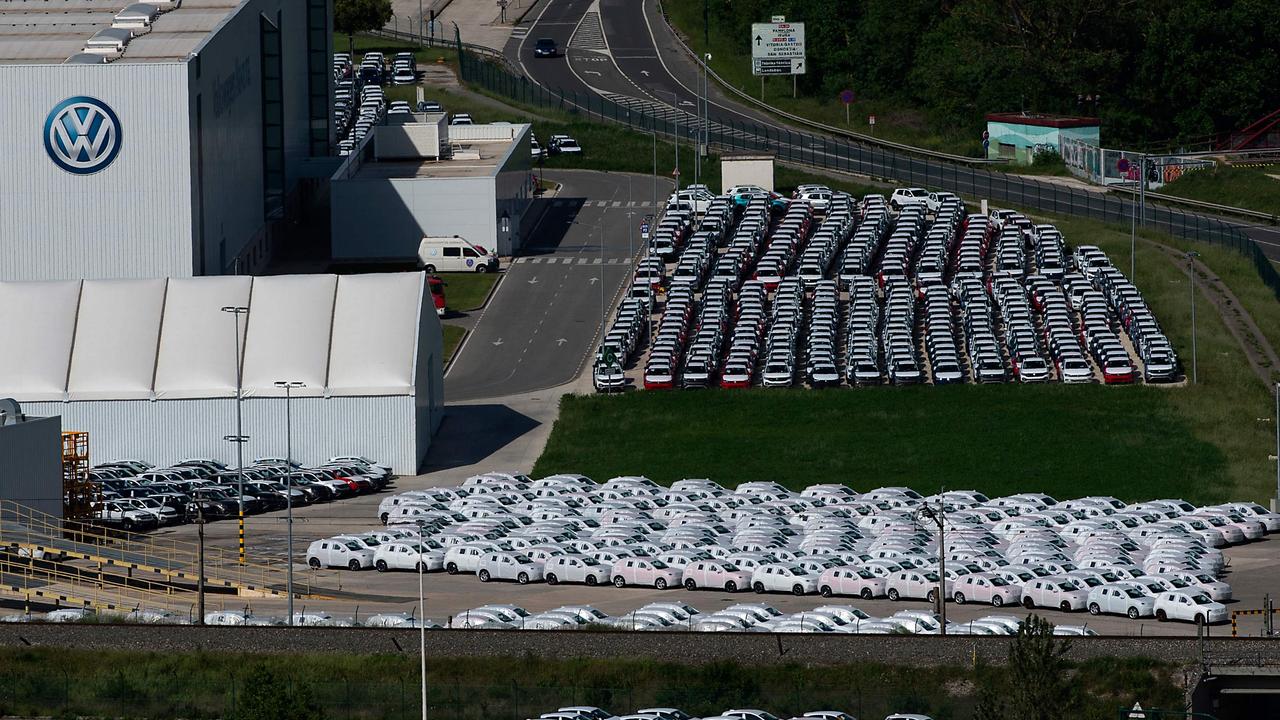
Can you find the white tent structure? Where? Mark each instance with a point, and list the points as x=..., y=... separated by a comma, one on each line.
x=147, y=367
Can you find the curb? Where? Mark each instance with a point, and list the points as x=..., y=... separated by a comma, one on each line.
x=489, y=295
x=527, y=10
x=466, y=335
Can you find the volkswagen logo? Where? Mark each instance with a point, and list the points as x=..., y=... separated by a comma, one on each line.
x=82, y=135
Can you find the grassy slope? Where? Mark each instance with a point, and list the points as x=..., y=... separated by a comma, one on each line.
x=1250, y=188
x=1204, y=442
x=893, y=122
x=453, y=335
x=467, y=291
x=69, y=683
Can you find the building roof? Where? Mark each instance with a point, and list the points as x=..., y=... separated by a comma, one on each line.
x=159, y=339
x=478, y=151
x=1042, y=120
x=51, y=31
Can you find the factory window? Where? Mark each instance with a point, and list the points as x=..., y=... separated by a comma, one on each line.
x=272, y=116
x=319, y=74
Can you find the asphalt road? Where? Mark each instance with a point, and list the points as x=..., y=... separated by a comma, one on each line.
x=540, y=326
x=632, y=55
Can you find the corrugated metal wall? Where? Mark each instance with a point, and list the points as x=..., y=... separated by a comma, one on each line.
x=165, y=431
x=31, y=463
x=132, y=219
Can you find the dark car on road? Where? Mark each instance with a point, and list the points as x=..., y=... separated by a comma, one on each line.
x=546, y=47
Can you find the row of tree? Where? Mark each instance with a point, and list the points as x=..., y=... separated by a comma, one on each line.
x=1168, y=72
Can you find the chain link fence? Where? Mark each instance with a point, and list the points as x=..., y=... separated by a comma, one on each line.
x=829, y=153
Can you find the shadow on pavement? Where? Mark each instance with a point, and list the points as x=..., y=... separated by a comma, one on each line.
x=471, y=433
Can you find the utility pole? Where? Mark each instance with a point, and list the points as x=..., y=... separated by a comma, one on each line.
x=288, y=386
x=422, y=622
x=1275, y=420
x=200, y=568
x=1191, y=272
x=938, y=516
x=239, y=438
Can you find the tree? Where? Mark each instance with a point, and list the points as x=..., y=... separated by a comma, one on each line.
x=355, y=16
x=1038, y=683
x=267, y=696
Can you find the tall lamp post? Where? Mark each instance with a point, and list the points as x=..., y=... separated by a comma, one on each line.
x=1191, y=273
x=704, y=134
x=289, y=386
x=675, y=105
x=938, y=516
x=1275, y=419
x=239, y=438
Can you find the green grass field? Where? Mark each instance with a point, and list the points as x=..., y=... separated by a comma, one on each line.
x=467, y=290
x=1205, y=443
x=452, y=338
x=1249, y=188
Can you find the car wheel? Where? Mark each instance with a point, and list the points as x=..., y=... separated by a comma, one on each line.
x=523, y=578
x=1065, y=606
x=758, y=587
x=867, y=593
x=1028, y=603
x=452, y=569
x=825, y=591
x=1161, y=616
x=591, y=581
x=893, y=594
x=690, y=584
x=619, y=581
x=383, y=517
x=959, y=598
x=1133, y=613
x=420, y=567
x=380, y=566
x=931, y=595
x=660, y=583
x=552, y=579
x=482, y=269
x=431, y=269
x=1095, y=610
x=314, y=563
x=731, y=586
x=354, y=564
x=1200, y=620
x=797, y=589
x=483, y=575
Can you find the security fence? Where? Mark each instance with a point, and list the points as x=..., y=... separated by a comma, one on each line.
x=842, y=155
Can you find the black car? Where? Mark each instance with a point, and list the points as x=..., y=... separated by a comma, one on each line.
x=545, y=47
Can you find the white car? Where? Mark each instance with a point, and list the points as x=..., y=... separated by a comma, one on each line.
x=781, y=577
x=340, y=552
x=507, y=565
x=716, y=575
x=903, y=197
x=464, y=558
x=1193, y=607
x=1054, y=591
x=396, y=620
x=645, y=572
x=576, y=569
x=1121, y=598
x=918, y=584
x=850, y=581
x=408, y=555
x=985, y=587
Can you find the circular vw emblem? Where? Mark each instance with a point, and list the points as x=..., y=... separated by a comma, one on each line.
x=82, y=135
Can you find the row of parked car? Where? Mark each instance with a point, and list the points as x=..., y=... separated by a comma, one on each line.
x=137, y=496
x=580, y=712
x=1026, y=549
x=958, y=296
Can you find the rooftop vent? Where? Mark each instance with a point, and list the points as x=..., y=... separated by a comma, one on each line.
x=83, y=58
x=109, y=42
x=135, y=16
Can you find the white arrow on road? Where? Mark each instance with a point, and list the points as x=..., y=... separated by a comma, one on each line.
x=497, y=342
x=594, y=279
x=561, y=341
x=533, y=280
x=591, y=72
x=644, y=73
x=686, y=102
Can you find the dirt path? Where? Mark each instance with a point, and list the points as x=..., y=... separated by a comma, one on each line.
x=1258, y=351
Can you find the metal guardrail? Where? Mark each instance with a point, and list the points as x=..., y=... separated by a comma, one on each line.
x=871, y=139
x=444, y=43
x=1267, y=218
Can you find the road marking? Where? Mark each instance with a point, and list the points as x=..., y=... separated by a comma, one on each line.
x=617, y=203
x=561, y=341
x=533, y=280
x=497, y=342
x=594, y=279
x=597, y=261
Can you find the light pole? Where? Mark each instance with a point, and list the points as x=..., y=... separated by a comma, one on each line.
x=1275, y=419
x=655, y=166
x=705, y=133
x=239, y=438
x=939, y=517
x=422, y=622
x=288, y=386
x=675, y=106
x=1133, y=239
x=1191, y=272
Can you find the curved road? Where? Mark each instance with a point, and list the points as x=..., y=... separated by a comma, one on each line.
x=540, y=326
x=623, y=49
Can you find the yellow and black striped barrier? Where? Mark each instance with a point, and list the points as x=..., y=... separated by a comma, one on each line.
x=241, y=531
x=1236, y=613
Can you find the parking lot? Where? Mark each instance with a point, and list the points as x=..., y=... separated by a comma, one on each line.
x=1248, y=568
x=822, y=289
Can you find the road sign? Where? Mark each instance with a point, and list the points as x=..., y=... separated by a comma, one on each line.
x=610, y=358
x=778, y=18
x=675, y=173
x=1123, y=164
x=1137, y=713
x=777, y=66
x=846, y=96
x=777, y=40
x=871, y=120
x=986, y=135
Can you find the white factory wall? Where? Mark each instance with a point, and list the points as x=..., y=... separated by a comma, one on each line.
x=131, y=219
x=386, y=219
x=514, y=191
x=384, y=428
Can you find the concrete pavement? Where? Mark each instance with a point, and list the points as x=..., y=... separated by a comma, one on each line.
x=481, y=22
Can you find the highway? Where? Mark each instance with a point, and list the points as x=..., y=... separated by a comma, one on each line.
x=626, y=52
x=540, y=326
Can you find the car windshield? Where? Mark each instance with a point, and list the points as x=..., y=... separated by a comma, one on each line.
x=352, y=545
x=998, y=582
x=1201, y=599
x=931, y=577
x=1066, y=586
x=658, y=564
x=1134, y=593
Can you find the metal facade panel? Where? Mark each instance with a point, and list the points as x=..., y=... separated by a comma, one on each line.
x=375, y=334
x=290, y=325
x=197, y=342
x=130, y=219
x=117, y=334
x=38, y=322
x=388, y=218
x=31, y=464
x=165, y=431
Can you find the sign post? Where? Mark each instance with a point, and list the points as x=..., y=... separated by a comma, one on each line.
x=871, y=120
x=846, y=97
x=777, y=48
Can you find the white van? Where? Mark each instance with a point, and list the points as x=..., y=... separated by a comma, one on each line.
x=454, y=254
